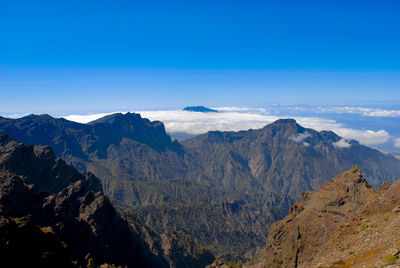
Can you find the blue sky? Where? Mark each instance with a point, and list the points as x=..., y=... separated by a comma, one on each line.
x=98, y=56
x=83, y=56
x=306, y=35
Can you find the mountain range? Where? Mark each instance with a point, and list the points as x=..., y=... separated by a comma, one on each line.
x=223, y=188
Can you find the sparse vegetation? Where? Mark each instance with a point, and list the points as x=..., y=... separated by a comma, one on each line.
x=390, y=259
x=364, y=226
x=90, y=263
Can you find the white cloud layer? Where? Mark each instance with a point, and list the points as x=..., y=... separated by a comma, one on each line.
x=300, y=136
x=375, y=112
x=196, y=123
x=342, y=143
x=240, y=119
x=239, y=109
x=85, y=118
x=13, y=116
x=364, y=136
x=397, y=143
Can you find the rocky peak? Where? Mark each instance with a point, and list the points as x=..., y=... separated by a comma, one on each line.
x=113, y=128
x=282, y=128
x=285, y=122
x=38, y=165
x=118, y=118
x=315, y=217
x=352, y=177
x=44, y=151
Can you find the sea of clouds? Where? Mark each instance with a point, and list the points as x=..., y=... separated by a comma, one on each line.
x=243, y=118
x=373, y=112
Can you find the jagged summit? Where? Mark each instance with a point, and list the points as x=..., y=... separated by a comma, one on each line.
x=285, y=121
x=112, y=129
x=284, y=127
x=353, y=175
x=112, y=118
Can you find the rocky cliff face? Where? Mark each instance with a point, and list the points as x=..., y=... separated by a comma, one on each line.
x=42, y=196
x=345, y=223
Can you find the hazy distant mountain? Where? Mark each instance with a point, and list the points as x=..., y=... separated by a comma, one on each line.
x=53, y=216
x=201, y=109
x=223, y=188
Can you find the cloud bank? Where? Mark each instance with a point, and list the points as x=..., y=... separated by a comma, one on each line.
x=240, y=118
x=232, y=119
x=397, y=143
x=342, y=143
x=374, y=112
x=364, y=136
x=85, y=118
x=300, y=136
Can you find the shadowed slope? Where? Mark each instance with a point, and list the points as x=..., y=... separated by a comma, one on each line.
x=56, y=197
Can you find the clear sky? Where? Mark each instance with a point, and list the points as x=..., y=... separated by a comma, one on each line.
x=95, y=56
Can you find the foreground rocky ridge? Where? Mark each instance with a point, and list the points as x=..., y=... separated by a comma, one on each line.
x=245, y=179
x=52, y=215
x=345, y=223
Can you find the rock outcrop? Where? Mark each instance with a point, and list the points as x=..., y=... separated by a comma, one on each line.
x=345, y=223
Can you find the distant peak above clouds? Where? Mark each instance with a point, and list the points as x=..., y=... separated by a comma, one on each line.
x=201, y=109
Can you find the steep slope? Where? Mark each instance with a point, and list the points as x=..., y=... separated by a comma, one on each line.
x=229, y=228
x=192, y=186
x=41, y=191
x=345, y=223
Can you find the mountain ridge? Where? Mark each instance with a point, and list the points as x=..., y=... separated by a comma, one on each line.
x=265, y=168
